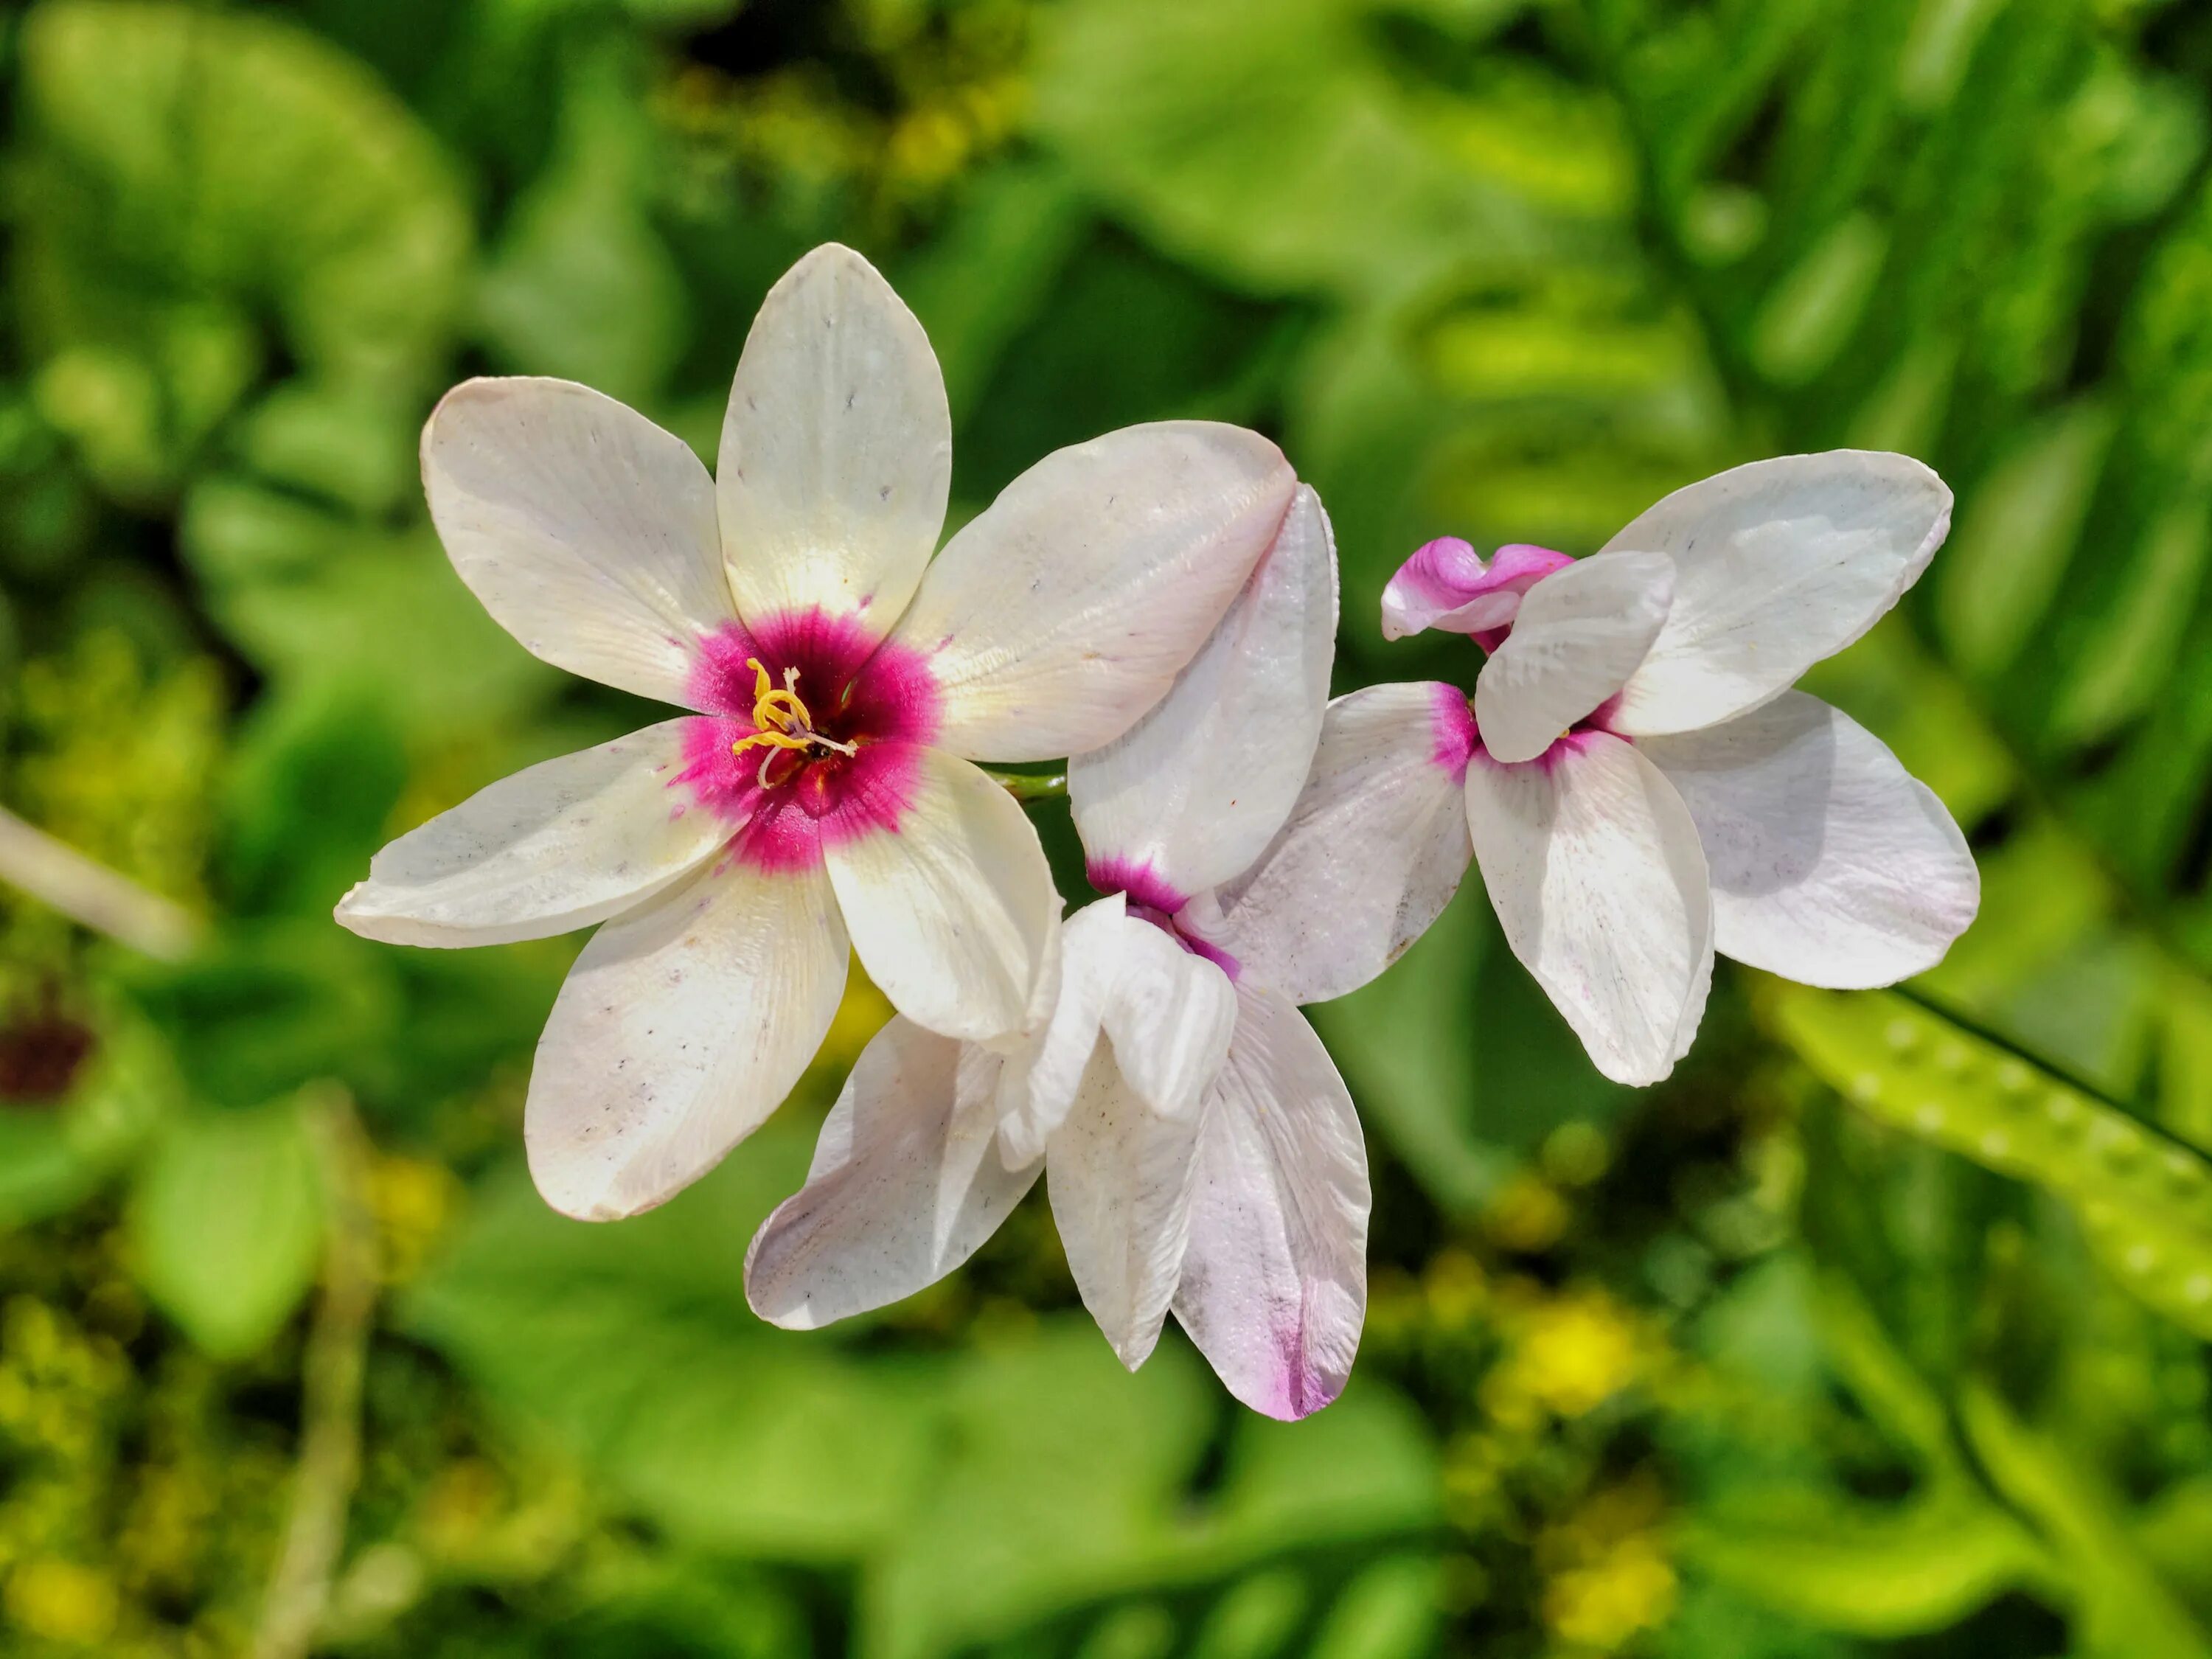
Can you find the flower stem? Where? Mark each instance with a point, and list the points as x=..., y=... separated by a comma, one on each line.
x=1029, y=787
x=90, y=893
x=330, y=1437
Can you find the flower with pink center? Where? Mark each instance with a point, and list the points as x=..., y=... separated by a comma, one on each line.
x=1200, y=1151
x=1638, y=781
x=823, y=797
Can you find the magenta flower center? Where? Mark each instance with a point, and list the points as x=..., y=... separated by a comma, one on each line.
x=1149, y=898
x=816, y=734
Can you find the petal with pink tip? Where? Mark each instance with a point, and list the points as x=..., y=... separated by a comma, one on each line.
x=1579, y=635
x=837, y=448
x=1196, y=788
x=682, y=1026
x=1777, y=565
x=905, y=1187
x=1831, y=864
x=1274, y=1279
x=1447, y=585
x=1592, y=866
x=1372, y=851
x=587, y=530
x=1066, y=608
x=558, y=846
x=1119, y=1176
x=952, y=905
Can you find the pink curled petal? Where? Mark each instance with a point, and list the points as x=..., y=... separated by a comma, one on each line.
x=1274, y=1279
x=1446, y=585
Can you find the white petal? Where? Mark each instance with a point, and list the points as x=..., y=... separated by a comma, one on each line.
x=587, y=530
x=1039, y=1081
x=1777, y=565
x=1274, y=1280
x=1064, y=611
x=1592, y=863
x=1192, y=792
x=1831, y=863
x=1120, y=1177
x=682, y=1026
x=1371, y=854
x=952, y=911
x=558, y=846
x=906, y=1186
x=836, y=449
x=1169, y=1019
x=1579, y=635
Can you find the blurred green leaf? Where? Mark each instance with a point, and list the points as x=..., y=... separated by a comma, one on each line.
x=226, y=1223
x=187, y=171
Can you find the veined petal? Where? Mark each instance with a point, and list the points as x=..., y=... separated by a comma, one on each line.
x=1370, y=855
x=1274, y=1280
x=682, y=1026
x=1777, y=565
x=1831, y=863
x=1446, y=585
x=1038, y=1083
x=905, y=1187
x=1579, y=635
x=1170, y=1018
x=1064, y=611
x=1119, y=1176
x=558, y=846
x=1593, y=867
x=951, y=909
x=587, y=530
x=1194, y=790
x=836, y=449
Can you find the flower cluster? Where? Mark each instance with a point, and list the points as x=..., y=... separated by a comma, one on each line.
x=1633, y=775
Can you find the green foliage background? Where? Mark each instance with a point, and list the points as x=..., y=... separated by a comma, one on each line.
x=1879, y=1330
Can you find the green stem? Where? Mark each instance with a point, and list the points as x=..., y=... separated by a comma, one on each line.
x=1030, y=787
x=336, y=1355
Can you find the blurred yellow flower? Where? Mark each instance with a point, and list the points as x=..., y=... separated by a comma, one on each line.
x=61, y=1601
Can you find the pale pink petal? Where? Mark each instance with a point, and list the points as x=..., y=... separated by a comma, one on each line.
x=587, y=530
x=558, y=846
x=1373, y=849
x=1043, y=1072
x=682, y=1026
x=1119, y=1174
x=1274, y=1280
x=951, y=906
x=1194, y=790
x=1777, y=565
x=1065, y=610
x=1593, y=867
x=1169, y=1018
x=1447, y=585
x=1830, y=864
x=905, y=1187
x=1579, y=635
x=837, y=448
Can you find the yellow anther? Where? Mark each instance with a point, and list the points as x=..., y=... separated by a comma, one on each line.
x=781, y=719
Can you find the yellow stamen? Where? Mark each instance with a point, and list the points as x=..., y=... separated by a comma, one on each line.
x=781, y=719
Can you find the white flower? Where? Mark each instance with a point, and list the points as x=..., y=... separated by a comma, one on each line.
x=1642, y=788
x=843, y=681
x=1200, y=1149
